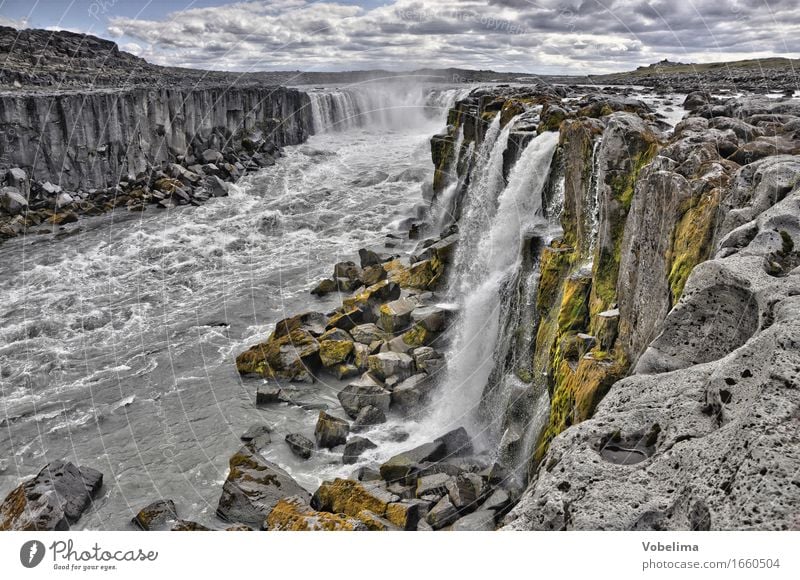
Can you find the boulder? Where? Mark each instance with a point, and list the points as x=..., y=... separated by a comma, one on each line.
x=12, y=201
x=190, y=526
x=695, y=100
x=17, y=177
x=347, y=270
x=52, y=500
x=396, y=315
x=348, y=318
x=300, y=445
x=330, y=431
x=403, y=466
x=406, y=514
x=335, y=346
x=366, y=391
x=255, y=432
x=367, y=417
x=211, y=156
x=434, y=484
x=268, y=394
x=442, y=514
x=372, y=275
x=345, y=496
x=479, y=521
x=498, y=501
x=217, y=187
x=354, y=447
x=158, y=516
x=465, y=490
x=369, y=258
x=294, y=514
x=367, y=333
x=253, y=487
x=293, y=356
x=325, y=286
x=344, y=371
x=410, y=395
x=456, y=443
x=376, y=523
x=386, y=364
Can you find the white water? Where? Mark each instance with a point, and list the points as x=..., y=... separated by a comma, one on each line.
x=487, y=265
x=119, y=334
x=388, y=105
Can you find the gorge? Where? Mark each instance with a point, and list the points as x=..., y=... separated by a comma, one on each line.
x=408, y=305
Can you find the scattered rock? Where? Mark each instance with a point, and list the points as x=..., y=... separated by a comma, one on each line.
x=367, y=417
x=479, y=521
x=386, y=364
x=300, y=445
x=330, y=431
x=442, y=514
x=158, y=516
x=294, y=514
x=365, y=392
x=354, y=447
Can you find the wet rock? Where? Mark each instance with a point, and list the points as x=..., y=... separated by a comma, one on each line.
x=465, y=490
x=217, y=187
x=427, y=359
x=367, y=417
x=498, y=501
x=330, y=431
x=457, y=443
x=369, y=258
x=345, y=496
x=291, y=356
x=17, y=177
x=365, y=473
x=407, y=514
x=354, y=447
x=347, y=318
x=335, y=346
x=404, y=465
x=300, y=445
x=52, y=500
x=376, y=523
x=432, y=485
x=325, y=286
x=253, y=487
x=12, y=201
x=294, y=514
x=372, y=275
x=367, y=333
x=344, y=371
x=433, y=318
x=442, y=514
x=695, y=100
x=396, y=315
x=268, y=394
x=366, y=391
x=347, y=270
x=189, y=526
x=386, y=364
x=412, y=394
x=254, y=432
x=158, y=516
x=479, y=521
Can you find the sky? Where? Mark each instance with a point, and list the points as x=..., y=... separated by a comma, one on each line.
x=530, y=36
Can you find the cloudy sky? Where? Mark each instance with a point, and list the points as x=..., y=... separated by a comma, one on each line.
x=534, y=36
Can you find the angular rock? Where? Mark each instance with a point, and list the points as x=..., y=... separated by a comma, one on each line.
x=364, y=392
x=294, y=514
x=335, y=346
x=254, y=432
x=406, y=514
x=376, y=523
x=325, y=286
x=300, y=445
x=253, y=487
x=12, y=201
x=367, y=417
x=367, y=333
x=386, y=364
x=465, y=490
x=433, y=318
x=158, y=516
x=411, y=395
x=442, y=514
x=479, y=521
x=354, y=447
x=456, y=443
x=404, y=465
x=52, y=500
x=330, y=431
x=345, y=496
x=268, y=394
x=434, y=484
x=369, y=258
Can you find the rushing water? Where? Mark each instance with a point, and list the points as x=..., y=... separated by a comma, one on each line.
x=118, y=334
x=501, y=217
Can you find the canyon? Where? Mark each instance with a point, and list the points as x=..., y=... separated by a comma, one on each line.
x=409, y=306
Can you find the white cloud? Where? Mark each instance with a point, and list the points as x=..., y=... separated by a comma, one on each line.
x=521, y=35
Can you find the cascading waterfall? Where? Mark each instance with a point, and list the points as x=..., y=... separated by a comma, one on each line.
x=389, y=105
x=445, y=206
x=498, y=221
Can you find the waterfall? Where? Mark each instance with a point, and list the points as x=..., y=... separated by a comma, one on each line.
x=387, y=105
x=496, y=223
x=445, y=213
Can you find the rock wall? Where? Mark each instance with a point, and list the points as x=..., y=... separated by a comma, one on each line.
x=86, y=140
x=704, y=318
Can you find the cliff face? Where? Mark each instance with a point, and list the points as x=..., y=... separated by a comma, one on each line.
x=700, y=276
x=95, y=139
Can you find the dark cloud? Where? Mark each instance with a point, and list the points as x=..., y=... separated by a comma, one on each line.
x=546, y=36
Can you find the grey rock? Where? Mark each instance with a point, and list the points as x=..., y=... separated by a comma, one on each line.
x=253, y=487
x=366, y=333
x=330, y=431
x=367, y=417
x=12, y=201
x=255, y=431
x=479, y=521
x=300, y=445
x=354, y=448
x=411, y=395
x=158, y=516
x=365, y=392
x=442, y=514
x=386, y=364
x=52, y=500
x=404, y=465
